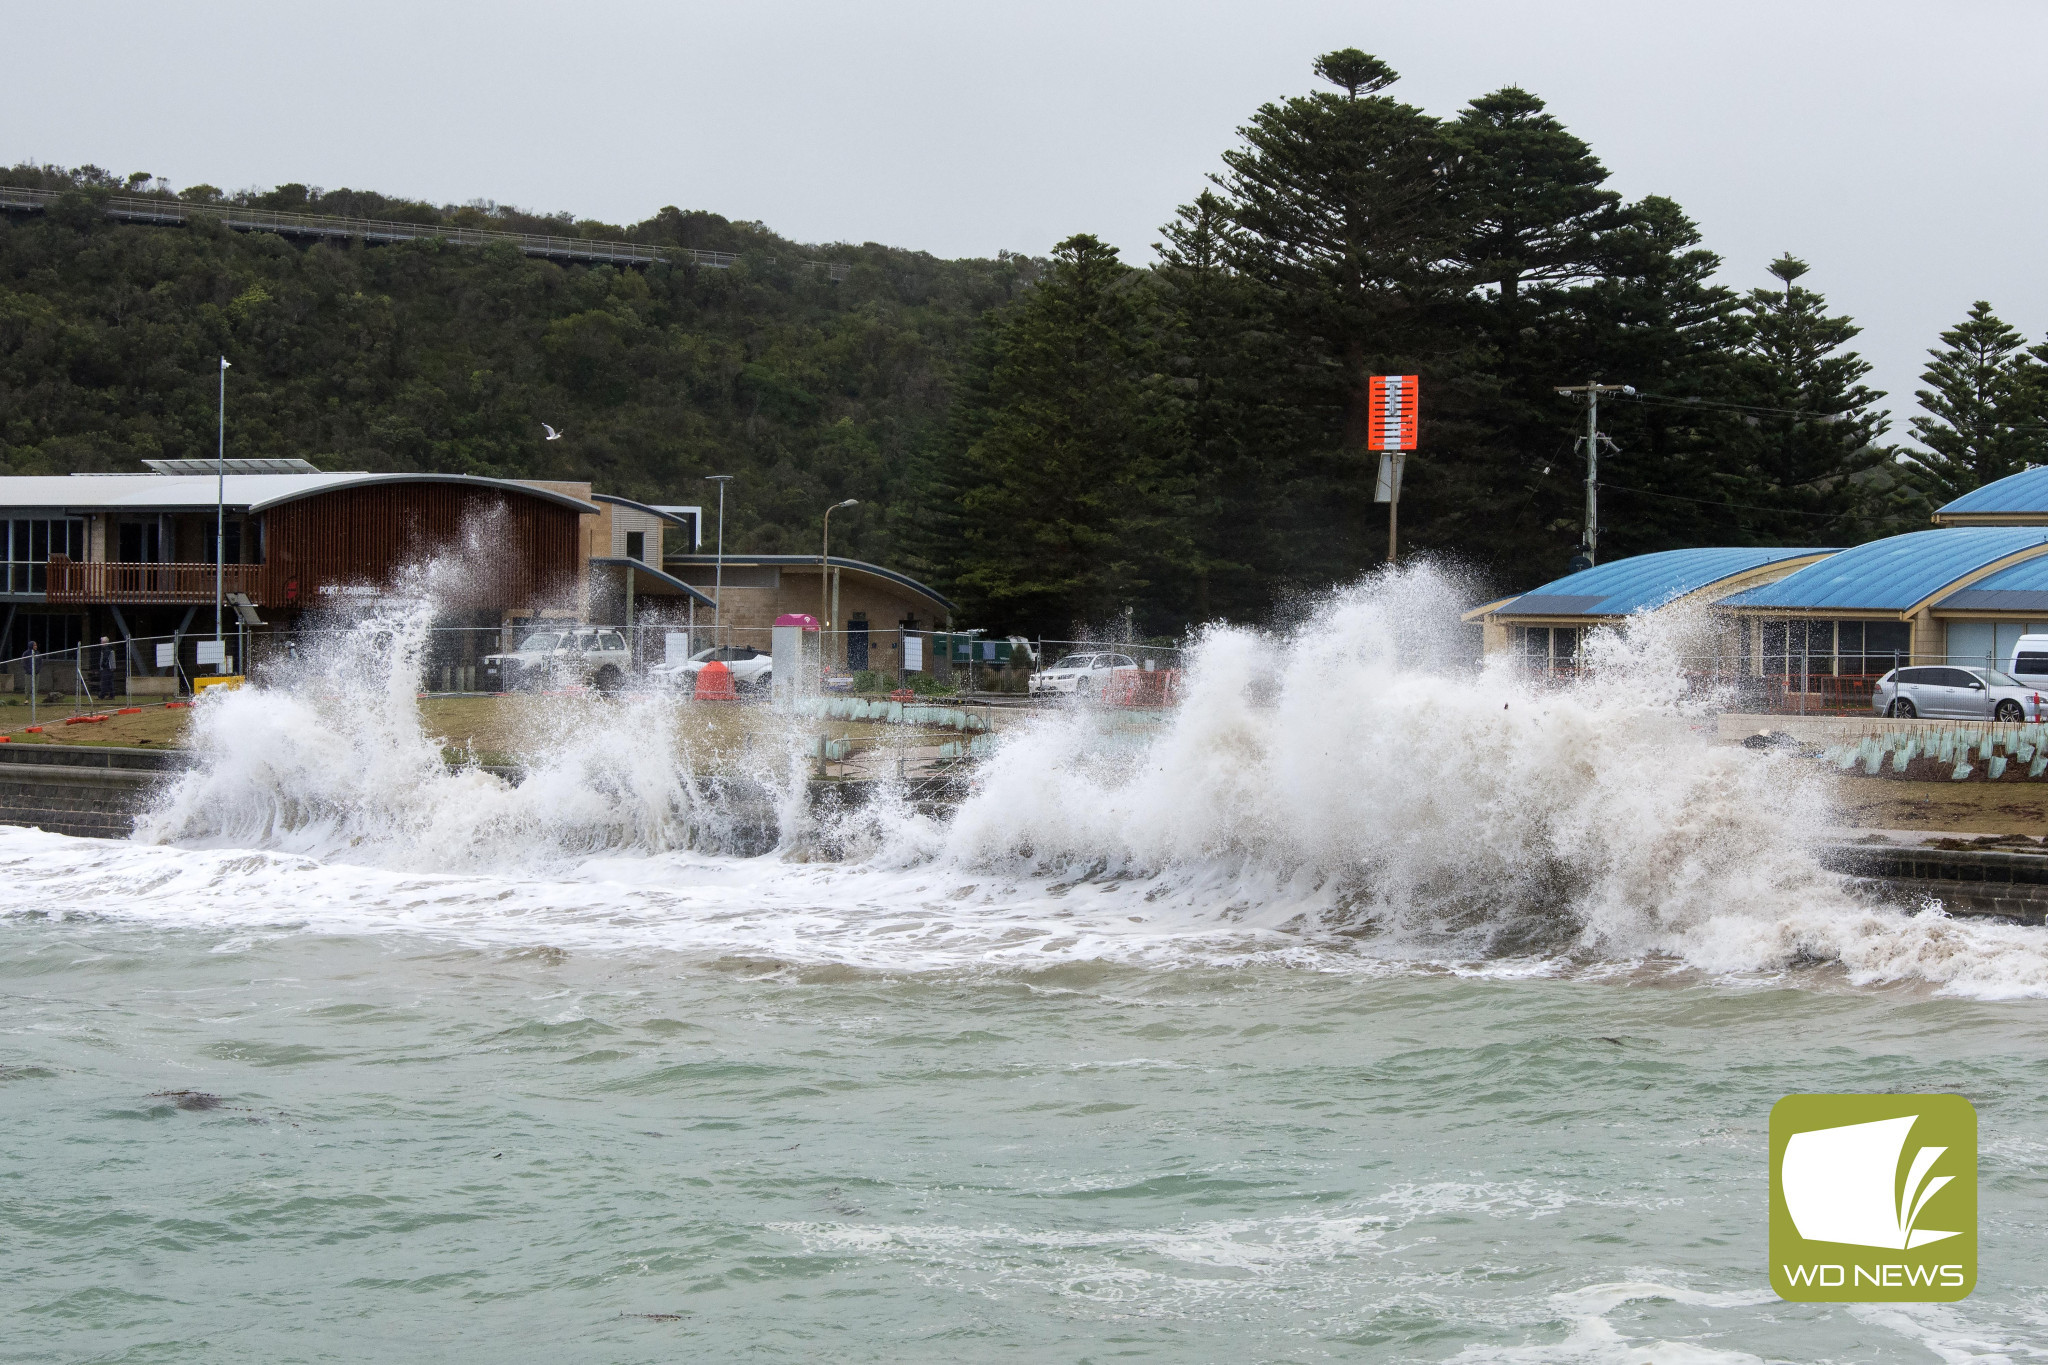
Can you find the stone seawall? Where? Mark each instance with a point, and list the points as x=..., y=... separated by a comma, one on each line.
x=96, y=792
x=78, y=789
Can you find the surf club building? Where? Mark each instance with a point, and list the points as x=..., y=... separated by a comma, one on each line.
x=1545, y=628
x=131, y=558
x=873, y=609
x=1821, y=623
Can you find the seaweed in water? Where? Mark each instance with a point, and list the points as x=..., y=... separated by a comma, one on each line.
x=190, y=1099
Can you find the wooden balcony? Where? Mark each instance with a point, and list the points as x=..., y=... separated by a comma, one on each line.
x=144, y=584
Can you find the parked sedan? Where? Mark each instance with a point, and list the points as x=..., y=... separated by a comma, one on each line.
x=750, y=667
x=1956, y=693
x=1080, y=674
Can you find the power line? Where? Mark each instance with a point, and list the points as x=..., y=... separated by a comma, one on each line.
x=1740, y=407
x=1722, y=502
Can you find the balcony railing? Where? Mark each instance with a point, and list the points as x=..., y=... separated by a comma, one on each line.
x=69, y=581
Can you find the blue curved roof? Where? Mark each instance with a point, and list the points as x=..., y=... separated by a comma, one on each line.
x=1894, y=573
x=2022, y=587
x=2013, y=495
x=1641, y=581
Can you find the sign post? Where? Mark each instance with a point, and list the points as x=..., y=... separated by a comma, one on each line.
x=1390, y=429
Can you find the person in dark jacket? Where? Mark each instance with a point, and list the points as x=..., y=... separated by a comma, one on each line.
x=106, y=667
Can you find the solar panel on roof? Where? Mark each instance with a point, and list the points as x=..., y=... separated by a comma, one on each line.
x=264, y=465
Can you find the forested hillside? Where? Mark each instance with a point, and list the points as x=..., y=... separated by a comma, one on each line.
x=423, y=356
x=1060, y=442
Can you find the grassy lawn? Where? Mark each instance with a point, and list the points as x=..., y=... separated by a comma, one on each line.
x=151, y=727
x=499, y=730
x=1964, y=807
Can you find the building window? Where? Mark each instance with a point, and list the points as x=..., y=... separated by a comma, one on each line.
x=636, y=545
x=1548, y=646
x=30, y=544
x=139, y=542
x=1817, y=649
x=49, y=634
x=233, y=531
x=1988, y=644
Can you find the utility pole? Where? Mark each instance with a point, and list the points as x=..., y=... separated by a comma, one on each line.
x=718, y=577
x=1590, y=547
x=220, y=511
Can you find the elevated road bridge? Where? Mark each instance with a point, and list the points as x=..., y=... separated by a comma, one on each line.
x=124, y=208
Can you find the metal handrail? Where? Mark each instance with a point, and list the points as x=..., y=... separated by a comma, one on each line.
x=140, y=209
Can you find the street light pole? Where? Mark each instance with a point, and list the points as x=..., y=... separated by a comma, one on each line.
x=220, y=510
x=825, y=574
x=1593, y=391
x=718, y=577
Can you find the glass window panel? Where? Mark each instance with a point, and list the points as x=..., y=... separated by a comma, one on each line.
x=1971, y=642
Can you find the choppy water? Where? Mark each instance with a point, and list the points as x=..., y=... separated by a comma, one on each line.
x=1372, y=1012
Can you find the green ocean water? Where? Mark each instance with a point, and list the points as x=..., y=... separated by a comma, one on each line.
x=1360, y=1009
x=424, y=1149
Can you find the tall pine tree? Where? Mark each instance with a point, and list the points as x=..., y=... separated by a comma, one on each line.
x=1982, y=406
x=1071, y=506
x=1658, y=322
x=1537, y=218
x=1346, y=219
x=1813, y=428
x=1226, y=369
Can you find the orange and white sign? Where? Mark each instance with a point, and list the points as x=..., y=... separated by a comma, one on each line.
x=1391, y=425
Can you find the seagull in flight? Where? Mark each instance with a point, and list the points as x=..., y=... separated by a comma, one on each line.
x=552, y=434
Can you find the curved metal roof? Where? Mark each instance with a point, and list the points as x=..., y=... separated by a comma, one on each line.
x=667, y=580
x=195, y=492
x=1644, y=581
x=701, y=560
x=647, y=507
x=1893, y=574
x=2013, y=495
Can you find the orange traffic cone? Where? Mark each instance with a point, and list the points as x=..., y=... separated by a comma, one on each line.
x=714, y=683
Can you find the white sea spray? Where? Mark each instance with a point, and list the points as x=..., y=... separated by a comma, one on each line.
x=1353, y=792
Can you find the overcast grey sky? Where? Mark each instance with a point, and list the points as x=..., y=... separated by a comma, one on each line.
x=1893, y=146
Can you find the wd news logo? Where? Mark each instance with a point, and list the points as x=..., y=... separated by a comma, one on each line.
x=1873, y=1198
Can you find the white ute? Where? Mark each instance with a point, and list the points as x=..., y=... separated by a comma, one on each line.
x=562, y=657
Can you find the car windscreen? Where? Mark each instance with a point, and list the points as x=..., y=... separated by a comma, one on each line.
x=1995, y=678
x=540, y=640
x=1076, y=661
x=704, y=656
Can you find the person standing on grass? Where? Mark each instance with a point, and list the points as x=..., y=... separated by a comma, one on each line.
x=107, y=662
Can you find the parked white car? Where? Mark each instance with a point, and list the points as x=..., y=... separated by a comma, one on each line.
x=752, y=669
x=565, y=657
x=1080, y=675
x=1957, y=693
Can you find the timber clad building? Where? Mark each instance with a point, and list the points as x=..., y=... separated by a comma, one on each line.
x=131, y=557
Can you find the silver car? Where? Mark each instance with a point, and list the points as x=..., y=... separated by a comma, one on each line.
x=1956, y=693
x=752, y=669
x=1080, y=675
